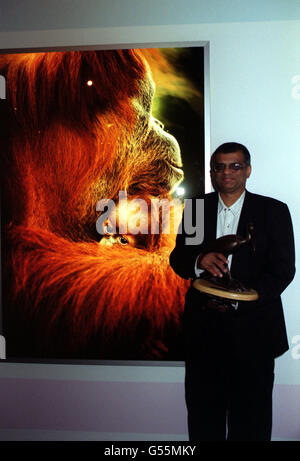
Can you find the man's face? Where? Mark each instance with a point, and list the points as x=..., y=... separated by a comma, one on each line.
x=226, y=179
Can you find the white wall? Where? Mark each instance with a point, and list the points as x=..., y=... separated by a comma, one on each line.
x=252, y=101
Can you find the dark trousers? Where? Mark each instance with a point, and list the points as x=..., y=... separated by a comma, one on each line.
x=228, y=391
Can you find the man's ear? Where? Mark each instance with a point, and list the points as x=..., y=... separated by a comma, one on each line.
x=249, y=169
x=212, y=178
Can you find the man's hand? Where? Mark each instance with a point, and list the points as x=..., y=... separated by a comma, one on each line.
x=214, y=263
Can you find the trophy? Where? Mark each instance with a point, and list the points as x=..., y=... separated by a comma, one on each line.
x=226, y=287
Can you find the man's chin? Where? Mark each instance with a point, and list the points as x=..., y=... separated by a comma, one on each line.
x=227, y=189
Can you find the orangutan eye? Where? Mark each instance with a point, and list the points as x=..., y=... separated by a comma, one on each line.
x=124, y=241
x=159, y=123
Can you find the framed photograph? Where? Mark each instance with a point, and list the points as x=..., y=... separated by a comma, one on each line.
x=99, y=151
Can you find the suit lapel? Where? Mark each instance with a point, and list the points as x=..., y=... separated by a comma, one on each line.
x=245, y=219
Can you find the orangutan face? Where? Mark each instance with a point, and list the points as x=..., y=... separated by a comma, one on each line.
x=148, y=155
x=151, y=160
x=158, y=149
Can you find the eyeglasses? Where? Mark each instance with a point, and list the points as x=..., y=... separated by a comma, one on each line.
x=220, y=167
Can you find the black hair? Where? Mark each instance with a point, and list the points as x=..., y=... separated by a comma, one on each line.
x=228, y=148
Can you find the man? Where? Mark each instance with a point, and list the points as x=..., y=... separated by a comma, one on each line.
x=230, y=351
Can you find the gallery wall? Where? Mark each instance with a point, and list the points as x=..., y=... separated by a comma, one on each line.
x=253, y=77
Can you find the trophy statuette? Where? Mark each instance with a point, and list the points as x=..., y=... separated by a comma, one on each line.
x=227, y=287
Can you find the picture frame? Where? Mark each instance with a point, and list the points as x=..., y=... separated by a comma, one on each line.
x=193, y=93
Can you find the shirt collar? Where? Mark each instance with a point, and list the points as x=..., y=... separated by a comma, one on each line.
x=235, y=208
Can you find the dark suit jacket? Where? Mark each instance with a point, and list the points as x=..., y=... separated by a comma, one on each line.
x=269, y=270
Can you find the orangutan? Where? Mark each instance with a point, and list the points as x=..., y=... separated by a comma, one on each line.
x=80, y=129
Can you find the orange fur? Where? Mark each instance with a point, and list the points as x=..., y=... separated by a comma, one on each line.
x=71, y=145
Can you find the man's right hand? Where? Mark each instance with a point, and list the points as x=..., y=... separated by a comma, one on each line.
x=214, y=263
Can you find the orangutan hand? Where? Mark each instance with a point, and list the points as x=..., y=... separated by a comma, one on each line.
x=214, y=263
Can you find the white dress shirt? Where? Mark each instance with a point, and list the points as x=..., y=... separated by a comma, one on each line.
x=227, y=222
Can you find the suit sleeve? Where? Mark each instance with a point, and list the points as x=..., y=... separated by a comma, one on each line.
x=280, y=264
x=183, y=257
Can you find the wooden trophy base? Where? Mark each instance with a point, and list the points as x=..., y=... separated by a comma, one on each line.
x=211, y=289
